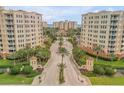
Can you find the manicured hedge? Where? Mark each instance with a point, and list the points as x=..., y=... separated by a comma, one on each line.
x=15, y=70
x=27, y=70
x=103, y=70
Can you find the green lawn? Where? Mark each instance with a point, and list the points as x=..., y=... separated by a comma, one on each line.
x=12, y=79
x=107, y=80
x=114, y=64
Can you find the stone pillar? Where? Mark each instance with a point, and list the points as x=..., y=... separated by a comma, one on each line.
x=33, y=62
x=89, y=64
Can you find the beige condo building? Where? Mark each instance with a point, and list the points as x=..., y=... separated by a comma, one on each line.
x=19, y=29
x=104, y=29
x=64, y=26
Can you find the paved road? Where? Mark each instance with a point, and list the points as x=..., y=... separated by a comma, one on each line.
x=51, y=73
x=71, y=72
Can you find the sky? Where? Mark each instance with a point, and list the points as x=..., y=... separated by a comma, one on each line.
x=60, y=13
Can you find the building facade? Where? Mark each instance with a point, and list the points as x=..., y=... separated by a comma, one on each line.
x=104, y=29
x=20, y=29
x=44, y=24
x=64, y=26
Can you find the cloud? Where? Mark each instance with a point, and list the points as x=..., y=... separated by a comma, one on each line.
x=110, y=9
x=55, y=13
x=48, y=18
x=63, y=13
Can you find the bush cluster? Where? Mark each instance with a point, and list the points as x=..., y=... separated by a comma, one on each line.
x=26, y=70
x=101, y=70
x=79, y=56
x=15, y=70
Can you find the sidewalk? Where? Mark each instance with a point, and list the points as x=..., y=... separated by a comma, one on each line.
x=76, y=67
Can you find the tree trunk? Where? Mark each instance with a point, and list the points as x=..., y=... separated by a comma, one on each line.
x=14, y=62
x=97, y=56
x=62, y=58
x=27, y=58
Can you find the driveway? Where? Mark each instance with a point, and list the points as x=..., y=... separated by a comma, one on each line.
x=50, y=75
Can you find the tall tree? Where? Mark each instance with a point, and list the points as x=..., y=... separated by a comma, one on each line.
x=63, y=52
x=97, y=49
x=112, y=57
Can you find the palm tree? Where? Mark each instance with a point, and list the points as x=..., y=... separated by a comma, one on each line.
x=50, y=32
x=63, y=52
x=61, y=66
x=39, y=55
x=43, y=54
x=71, y=32
x=14, y=57
x=112, y=56
x=61, y=39
x=27, y=54
x=97, y=49
x=48, y=43
x=61, y=73
x=60, y=43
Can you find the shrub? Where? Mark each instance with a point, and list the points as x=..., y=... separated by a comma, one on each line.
x=79, y=56
x=82, y=61
x=2, y=70
x=89, y=74
x=109, y=70
x=27, y=70
x=96, y=68
x=6, y=66
x=15, y=70
x=23, y=63
x=99, y=70
x=33, y=74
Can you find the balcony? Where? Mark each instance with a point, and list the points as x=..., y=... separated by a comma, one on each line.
x=115, y=24
x=11, y=39
x=114, y=18
x=8, y=17
x=111, y=45
x=113, y=27
x=10, y=33
x=9, y=28
x=112, y=34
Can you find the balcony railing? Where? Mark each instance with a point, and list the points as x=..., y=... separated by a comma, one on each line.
x=9, y=28
x=114, y=18
x=8, y=17
x=115, y=24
